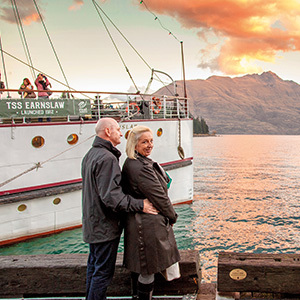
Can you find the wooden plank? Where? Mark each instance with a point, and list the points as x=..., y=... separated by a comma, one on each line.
x=259, y=272
x=65, y=274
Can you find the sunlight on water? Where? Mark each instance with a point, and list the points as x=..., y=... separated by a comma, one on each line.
x=246, y=199
x=246, y=196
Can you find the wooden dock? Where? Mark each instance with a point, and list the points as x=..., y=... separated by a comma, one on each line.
x=65, y=274
x=240, y=276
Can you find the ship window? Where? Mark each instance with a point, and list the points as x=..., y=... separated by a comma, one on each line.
x=72, y=139
x=38, y=141
x=159, y=132
x=126, y=134
x=56, y=201
x=22, y=207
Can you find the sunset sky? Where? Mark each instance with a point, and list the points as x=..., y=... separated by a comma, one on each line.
x=220, y=37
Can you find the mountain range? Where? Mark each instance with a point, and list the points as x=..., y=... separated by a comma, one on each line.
x=252, y=104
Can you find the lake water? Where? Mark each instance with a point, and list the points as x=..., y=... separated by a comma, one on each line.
x=246, y=199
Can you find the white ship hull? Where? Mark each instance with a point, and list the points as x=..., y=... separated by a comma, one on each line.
x=48, y=199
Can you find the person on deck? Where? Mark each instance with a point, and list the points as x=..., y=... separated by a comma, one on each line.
x=103, y=203
x=26, y=89
x=149, y=241
x=2, y=85
x=42, y=84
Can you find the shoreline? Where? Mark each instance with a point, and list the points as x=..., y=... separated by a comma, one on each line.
x=204, y=134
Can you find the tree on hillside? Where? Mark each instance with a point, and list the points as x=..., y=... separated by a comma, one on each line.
x=200, y=126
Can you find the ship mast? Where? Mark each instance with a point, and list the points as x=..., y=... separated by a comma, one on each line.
x=183, y=71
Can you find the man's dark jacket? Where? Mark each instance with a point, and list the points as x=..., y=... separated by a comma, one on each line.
x=102, y=196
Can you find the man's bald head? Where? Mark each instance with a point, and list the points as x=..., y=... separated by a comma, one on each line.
x=109, y=129
x=105, y=123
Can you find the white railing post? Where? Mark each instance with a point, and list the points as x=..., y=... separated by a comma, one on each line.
x=151, y=108
x=98, y=105
x=165, y=106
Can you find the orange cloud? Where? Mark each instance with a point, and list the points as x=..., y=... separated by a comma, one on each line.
x=26, y=10
x=32, y=18
x=76, y=5
x=247, y=30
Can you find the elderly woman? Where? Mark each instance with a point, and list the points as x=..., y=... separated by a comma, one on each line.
x=149, y=242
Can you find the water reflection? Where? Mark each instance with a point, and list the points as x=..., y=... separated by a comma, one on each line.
x=246, y=196
x=63, y=242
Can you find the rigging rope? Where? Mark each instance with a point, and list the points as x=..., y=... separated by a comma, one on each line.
x=124, y=37
x=179, y=148
x=19, y=60
x=170, y=33
x=22, y=35
x=4, y=68
x=128, y=42
x=40, y=164
x=157, y=19
x=38, y=11
x=112, y=40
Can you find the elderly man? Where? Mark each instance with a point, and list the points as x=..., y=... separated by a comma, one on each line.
x=103, y=201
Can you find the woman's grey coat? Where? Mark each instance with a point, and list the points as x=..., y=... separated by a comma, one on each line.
x=149, y=242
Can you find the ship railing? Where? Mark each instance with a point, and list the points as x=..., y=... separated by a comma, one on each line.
x=142, y=108
x=122, y=106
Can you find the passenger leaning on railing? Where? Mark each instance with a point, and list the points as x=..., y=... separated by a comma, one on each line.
x=42, y=84
x=26, y=89
x=2, y=85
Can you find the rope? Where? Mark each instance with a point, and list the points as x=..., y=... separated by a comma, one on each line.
x=22, y=34
x=128, y=42
x=40, y=164
x=19, y=60
x=179, y=133
x=37, y=9
x=157, y=19
x=179, y=148
x=4, y=68
x=124, y=37
x=112, y=40
x=170, y=33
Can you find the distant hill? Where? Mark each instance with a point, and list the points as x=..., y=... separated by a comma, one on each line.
x=252, y=104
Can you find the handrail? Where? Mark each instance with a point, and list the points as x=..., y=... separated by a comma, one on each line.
x=95, y=92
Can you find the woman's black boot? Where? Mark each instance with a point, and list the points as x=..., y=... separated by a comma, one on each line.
x=134, y=284
x=145, y=291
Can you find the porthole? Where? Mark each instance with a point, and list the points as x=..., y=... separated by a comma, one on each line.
x=22, y=207
x=126, y=134
x=38, y=141
x=72, y=139
x=56, y=201
x=159, y=132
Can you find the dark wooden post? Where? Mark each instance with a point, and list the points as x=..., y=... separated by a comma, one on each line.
x=65, y=274
x=259, y=272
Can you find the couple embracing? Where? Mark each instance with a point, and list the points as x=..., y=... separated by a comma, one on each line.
x=137, y=195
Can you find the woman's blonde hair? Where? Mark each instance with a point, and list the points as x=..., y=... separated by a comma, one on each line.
x=133, y=138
